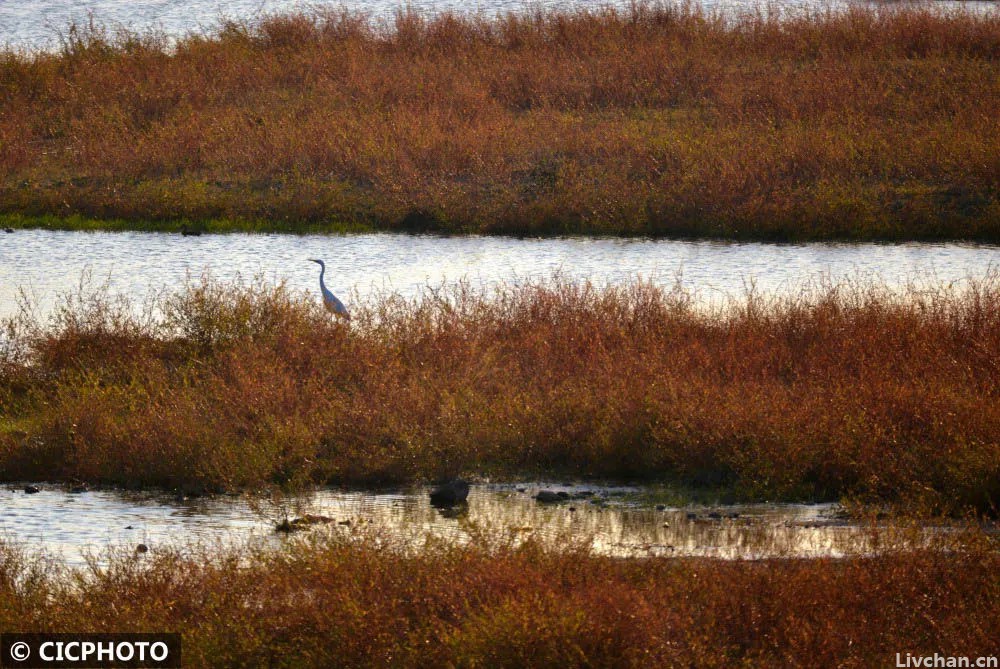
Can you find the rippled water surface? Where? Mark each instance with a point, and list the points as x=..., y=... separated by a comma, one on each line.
x=37, y=23
x=46, y=264
x=610, y=520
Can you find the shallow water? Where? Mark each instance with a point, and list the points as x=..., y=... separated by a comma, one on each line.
x=620, y=521
x=38, y=23
x=47, y=264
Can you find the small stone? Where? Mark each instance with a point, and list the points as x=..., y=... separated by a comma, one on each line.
x=142, y=548
x=547, y=497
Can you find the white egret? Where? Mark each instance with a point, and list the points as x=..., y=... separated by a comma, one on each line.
x=330, y=301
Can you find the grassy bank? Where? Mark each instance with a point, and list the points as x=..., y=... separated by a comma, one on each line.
x=874, y=122
x=842, y=391
x=334, y=604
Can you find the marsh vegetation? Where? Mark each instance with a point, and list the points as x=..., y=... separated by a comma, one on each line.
x=845, y=391
x=866, y=122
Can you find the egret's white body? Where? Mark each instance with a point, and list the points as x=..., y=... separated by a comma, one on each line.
x=330, y=301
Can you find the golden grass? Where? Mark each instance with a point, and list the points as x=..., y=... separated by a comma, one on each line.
x=850, y=390
x=334, y=603
x=871, y=122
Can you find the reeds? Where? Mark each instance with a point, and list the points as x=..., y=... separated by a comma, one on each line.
x=658, y=119
x=330, y=603
x=852, y=390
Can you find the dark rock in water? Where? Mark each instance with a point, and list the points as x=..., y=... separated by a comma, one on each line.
x=563, y=495
x=661, y=507
x=584, y=494
x=142, y=548
x=547, y=497
x=450, y=493
x=8, y=230
x=129, y=527
x=190, y=232
x=79, y=487
x=715, y=515
x=303, y=523
x=522, y=489
x=732, y=515
x=31, y=489
x=692, y=516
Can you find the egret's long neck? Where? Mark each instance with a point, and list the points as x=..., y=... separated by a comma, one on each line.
x=322, y=271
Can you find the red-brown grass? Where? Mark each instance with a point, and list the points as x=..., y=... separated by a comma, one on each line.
x=870, y=122
x=343, y=604
x=850, y=390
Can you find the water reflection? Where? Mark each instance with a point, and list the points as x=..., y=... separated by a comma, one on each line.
x=609, y=521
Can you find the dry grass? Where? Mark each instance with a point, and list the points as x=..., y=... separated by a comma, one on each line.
x=872, y=122
x=850, y=390
x=333, y=604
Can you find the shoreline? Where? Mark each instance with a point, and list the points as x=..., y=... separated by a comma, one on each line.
x=77, y=223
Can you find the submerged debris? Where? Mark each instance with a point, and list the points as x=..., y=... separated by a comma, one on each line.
x=304, y=523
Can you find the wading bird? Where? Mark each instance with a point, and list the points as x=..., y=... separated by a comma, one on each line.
x=330, y=301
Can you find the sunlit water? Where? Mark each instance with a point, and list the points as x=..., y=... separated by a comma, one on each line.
x=46, y=264
x=38, y=23
x=606, y=520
